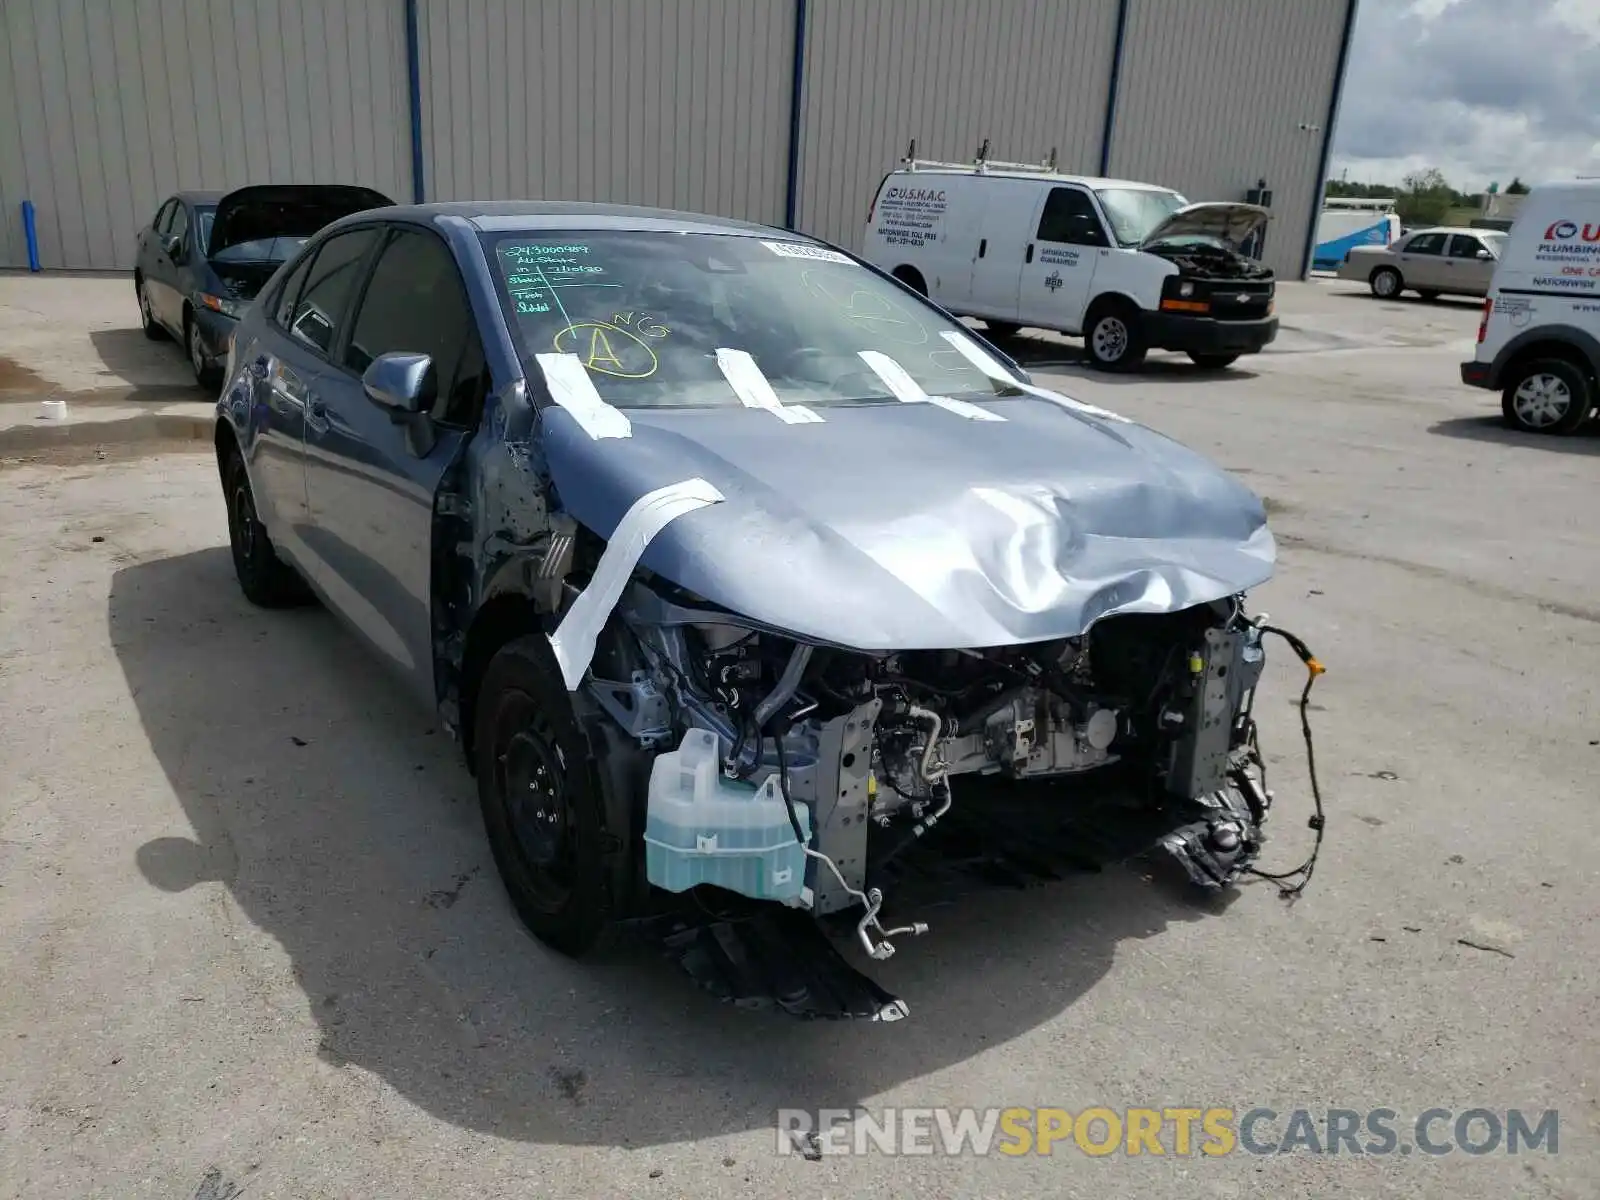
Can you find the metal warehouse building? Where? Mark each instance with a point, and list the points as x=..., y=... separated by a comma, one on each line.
x=782, y=111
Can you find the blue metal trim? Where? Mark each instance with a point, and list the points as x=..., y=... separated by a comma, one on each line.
x=1319, y=185
x=414, y=82
x=1111, y=92
x=30, y=233
x=797, y=87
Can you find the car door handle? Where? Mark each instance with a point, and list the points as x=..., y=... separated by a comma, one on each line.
x=1028, y=257
x=983, y=247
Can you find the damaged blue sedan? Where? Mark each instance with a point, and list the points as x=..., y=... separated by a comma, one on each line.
x=762, y=595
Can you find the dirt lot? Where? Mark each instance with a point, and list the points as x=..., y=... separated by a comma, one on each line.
x=251, y=937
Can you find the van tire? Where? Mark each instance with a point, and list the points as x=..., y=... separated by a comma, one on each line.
x=1428, y=297
x=1114, y=336
x=1386, y=283
x=1532, y=401
x=1001, y=329
x=1213, y=362
x=912, y=278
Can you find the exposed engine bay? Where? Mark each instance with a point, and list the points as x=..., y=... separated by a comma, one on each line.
x=1199, y=259
x=868, y=752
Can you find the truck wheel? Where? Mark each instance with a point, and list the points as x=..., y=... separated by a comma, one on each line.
x=912, y=278
x=1548, y=395
x=264, y=578
x=540, y=794
x=1385, y=283
x=1001, y=329
x=1114, y=337
x=1213, y=362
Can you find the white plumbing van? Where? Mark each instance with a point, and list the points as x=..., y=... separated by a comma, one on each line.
x=1129, y=266
x=1539, y=339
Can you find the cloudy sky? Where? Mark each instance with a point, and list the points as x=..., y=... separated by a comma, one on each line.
x=1482, y=89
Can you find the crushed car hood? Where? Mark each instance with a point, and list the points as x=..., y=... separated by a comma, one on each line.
x=253, y=214
x=903, y=526
x=1231, y=222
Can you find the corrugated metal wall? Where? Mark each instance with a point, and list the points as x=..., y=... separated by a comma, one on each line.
x=108, y=106
x=680, y=103
x=1211, y=98
x=1027, y=74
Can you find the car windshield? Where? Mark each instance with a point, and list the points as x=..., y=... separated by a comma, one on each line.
x=1496, y=242
x=264, y=250
x=1134, y=212
x=646, y=313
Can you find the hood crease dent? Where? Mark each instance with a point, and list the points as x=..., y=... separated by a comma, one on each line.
x=894, y=526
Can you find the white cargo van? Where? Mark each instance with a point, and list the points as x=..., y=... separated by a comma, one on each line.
x=1539, y=340
x=1129, y=266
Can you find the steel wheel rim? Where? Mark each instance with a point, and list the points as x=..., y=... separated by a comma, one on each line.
x=1541, y=400
x=529, y=777
x=244, y=523
x=1110, y=339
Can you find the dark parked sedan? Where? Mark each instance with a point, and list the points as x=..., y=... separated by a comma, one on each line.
x=737, y=567
x=205, y=255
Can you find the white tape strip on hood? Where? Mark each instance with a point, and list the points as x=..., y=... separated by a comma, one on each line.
x=571, y=388
x=574, y=639
x=907, y=390
x=990, y=366
x=755, y=390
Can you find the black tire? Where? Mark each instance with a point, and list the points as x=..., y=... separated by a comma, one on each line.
x=1114, y=337
x=1547, y=395
x=265, y=579
x=1001, y=329
x=147, y=321
x=206, y=373
x=912, y=278
x=1428, y=296
x=1386, y=283
x=1213, y=362
x=543, y=809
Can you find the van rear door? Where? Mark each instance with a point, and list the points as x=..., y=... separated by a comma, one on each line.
x=1005, y=232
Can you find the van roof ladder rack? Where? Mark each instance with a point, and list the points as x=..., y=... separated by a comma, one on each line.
x=981, y=163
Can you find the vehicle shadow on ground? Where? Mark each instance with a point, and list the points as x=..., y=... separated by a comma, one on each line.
x=341, y=824
x=1041, y=354
x=150, y=371
x=1408, y=299
x=1491, y=429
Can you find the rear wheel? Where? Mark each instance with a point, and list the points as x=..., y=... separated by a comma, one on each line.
x=1385, y=283
x=542, y=806
x=265, y=579
x=1548, y=395
x=912, y=278
x=1114, y=336
x=1213, y=362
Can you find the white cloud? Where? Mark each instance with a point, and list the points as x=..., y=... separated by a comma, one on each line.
x=1482, y=89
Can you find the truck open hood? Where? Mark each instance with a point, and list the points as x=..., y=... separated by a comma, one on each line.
x=902, y=526
x=1231, y=222
x=274, y=210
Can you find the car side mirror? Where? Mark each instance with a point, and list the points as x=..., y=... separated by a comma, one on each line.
x=173, y=245
x=405, y=384
x=1484, y=254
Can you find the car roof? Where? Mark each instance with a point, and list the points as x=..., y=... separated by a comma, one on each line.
x=1454, y=229
x=1092, y=181
x=200, y=197
x=493, y=216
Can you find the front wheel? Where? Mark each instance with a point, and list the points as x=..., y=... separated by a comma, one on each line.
x=542, y=805
x=1385, y=283
x=1547, y=396
x=206, y=373
x=1115, y=339
x=1213, y=362
x=147, y=318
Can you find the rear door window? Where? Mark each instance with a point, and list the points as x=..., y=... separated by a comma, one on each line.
x=329, y=285
x=1426, y=243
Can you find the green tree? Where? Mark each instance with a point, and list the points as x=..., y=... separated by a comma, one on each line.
x=1516, y=187
x=1425, y=197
